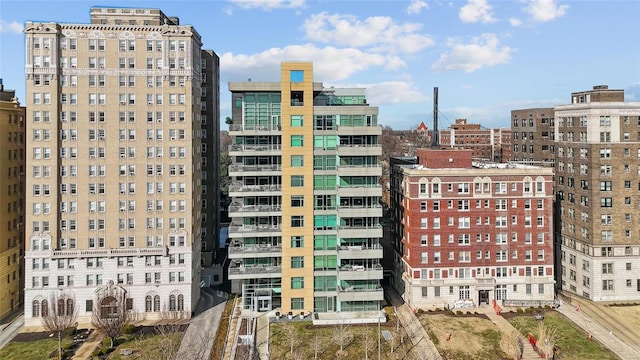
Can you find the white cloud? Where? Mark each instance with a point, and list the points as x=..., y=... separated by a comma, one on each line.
x=480, y=52
x=515, y=22
x=10, y=27
x=476, y=11
x=545, y=10
x=393, y=92
x=329, y=63
x=380, y=33
x=268, y=4
x=416, y=6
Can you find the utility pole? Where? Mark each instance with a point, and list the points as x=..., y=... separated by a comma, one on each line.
x=379, y=350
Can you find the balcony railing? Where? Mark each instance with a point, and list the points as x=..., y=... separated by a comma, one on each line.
x=251, y=188
x=240, y=147
x=254, y=208
x=356, y=227
x=349, y=267
x=239, y=127
x=241, y=270
x=262, y=248
x=254, y=228
x=240, y=167
x=109, y=252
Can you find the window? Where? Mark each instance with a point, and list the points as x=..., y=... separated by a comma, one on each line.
x=297, y=303
x=297, y=120
x=296, y=75
x=607, y=284
x=297, y=160
x=297, y=200
x=297, y=241
x=297, y=140
x=297, y=262
x=297, y=180
x=297, y=282
x=297, y=221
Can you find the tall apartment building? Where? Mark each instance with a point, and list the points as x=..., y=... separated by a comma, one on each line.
x=467, y=233
x=12, y=163
x=305, y=195
x=597, y=169
x=533, y=136
x=210, y=120
x=487, y=144
x=114, y=175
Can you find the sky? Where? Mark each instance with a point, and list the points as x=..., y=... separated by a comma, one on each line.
x=486, y=57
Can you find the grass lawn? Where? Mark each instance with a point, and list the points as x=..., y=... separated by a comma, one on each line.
x=357, y=338
x=471, y=337
x=38, y=349
x=572, y=341
x=149, y=346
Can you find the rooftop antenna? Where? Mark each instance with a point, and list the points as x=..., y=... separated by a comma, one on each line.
x=436, y=137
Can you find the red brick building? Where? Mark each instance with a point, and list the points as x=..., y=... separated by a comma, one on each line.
x=489, y=144
x=468, y=232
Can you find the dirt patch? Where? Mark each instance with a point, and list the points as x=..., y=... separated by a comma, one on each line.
x=628, y=315
x=31, y=336
x=462, y=336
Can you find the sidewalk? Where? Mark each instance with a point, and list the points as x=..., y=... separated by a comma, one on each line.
x=200, y=335
x=9, y=330
x=506, y=328
x=599, y=332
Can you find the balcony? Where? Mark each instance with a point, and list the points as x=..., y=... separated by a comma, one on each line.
x=359, y=149
x=359, y=231
x=357, y=294
x=254, y=251
x=254, y=170
x=237, y=210
x=239, y=230
x=360, y=170
x=360, y=272
x=239, y=189
x=359, y=190
x=238, y=272
x=245, y=150
x=239, y=129
x=360, y=252
x=89, y=253
x=374, y=210
x=359, y=130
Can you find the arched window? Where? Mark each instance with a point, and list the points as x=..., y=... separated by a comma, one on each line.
x=172, y=302
x=70, y=306
x=35, y=308
x=147, y=303
x=109, y=307
x=156, y=303
x=180, y=302
x=60, y=308
x=44, y=308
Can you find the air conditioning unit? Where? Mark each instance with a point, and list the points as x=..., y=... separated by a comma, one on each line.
x=181, y=85
x=63, y=228
x=159, y=120
x=150, y=209
x=70, y=266
x=132, y=173
x=122, y=155
x=121, y=209
x=121, y=191
x=63, y=210
x=37, y=65
x=73, y=85
x=92, y=191
x=123, y=103
x=150, y=102
x=149, y=264
x=149, y=85
x=101, y=66
x=157, y=281
x=46, y=46
x=73, y=66
x=130, y=265
x=173, y=138
x=122, y=49
x=101, y=138
x=129, y=282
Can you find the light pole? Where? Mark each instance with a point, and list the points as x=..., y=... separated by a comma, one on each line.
x=379, y=352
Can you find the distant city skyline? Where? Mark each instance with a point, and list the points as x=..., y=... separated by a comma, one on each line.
x=486, y=57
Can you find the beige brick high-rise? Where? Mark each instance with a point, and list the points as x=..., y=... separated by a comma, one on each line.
x=597, y=181
x=12, y=128
x=114, y=187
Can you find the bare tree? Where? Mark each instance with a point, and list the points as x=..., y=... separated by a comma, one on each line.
x=291, y=333
x=59, y=314
x=547, y=338
x=317, y=345
x=110, y=313
x=368, y=341
x=343, y=337
x=511, y=344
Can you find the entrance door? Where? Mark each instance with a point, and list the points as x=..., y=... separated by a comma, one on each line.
x=264, y=303
x=501, y=292
x=483, y=296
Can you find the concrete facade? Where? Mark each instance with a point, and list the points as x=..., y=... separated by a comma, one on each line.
x=115, y=166
x=468, y=232
x=305, y=194
x=12, y=165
